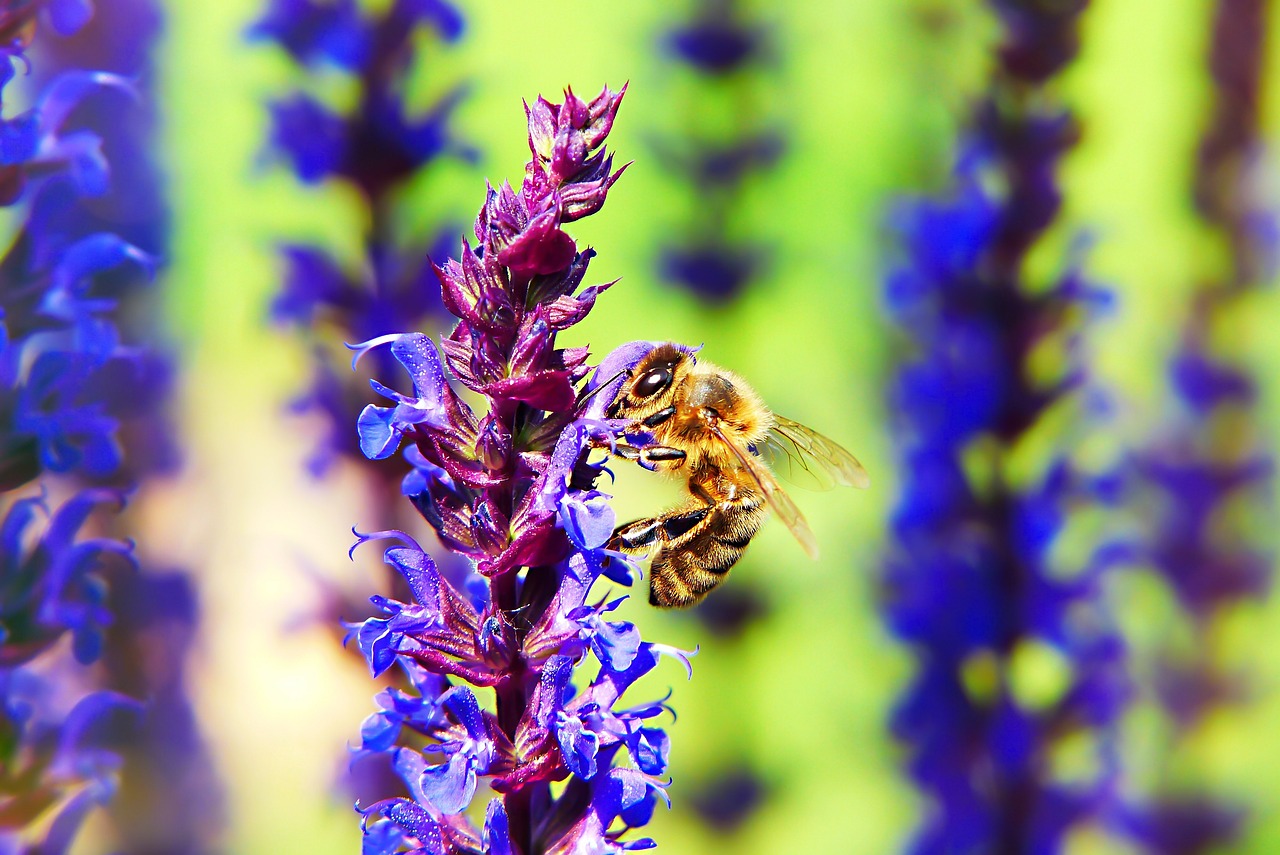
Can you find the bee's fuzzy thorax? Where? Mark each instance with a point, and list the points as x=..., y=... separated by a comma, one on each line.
x=749, y=416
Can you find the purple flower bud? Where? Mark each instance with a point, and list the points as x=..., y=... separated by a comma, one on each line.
x=493, y=449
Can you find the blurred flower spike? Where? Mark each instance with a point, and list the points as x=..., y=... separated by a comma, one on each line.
x=60, y=350
x=1205, y=480
x=512, y=489
x=1017, y=651
x=68, y=383
x=56, y=763
x=379, y=148
x=717, y=163
x=56, y=760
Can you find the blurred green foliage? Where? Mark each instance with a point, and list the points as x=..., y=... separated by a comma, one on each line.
x=873, y=95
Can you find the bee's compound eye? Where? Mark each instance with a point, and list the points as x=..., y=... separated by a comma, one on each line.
x=653, y=382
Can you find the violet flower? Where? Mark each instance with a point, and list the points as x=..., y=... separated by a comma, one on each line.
x=168, y=800
x=56, y=762
x=66, y=361
x=971, y=584
x=1211, y=460
x=379, y=148
x=60, y=343
x=715, y=260
x=512, y=489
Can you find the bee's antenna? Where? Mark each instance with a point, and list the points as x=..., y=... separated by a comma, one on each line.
x=586, y=396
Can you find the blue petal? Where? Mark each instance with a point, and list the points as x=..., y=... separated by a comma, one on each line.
x=424, y=472
x=588, y=519
x=67, y=90
x=650, y=750
x=70, y=818
x=311, y=136
x=382, y=837
x=68, y=16
x=450, y=786
x=638, y=815
x=378, y=431
x=378, y=732
x=461, y=702
x=615, y=643
x=497, y=834
x=419, y=356
x=378, y=644
x=19, y=138
x=412, y=818
x=381, y=428
x=420, y=572
x=612, y=373
x=91, y=722
x=578, y=747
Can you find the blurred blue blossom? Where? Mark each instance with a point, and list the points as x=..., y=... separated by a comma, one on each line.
x=513, y=490
x=379, y=147
x=56, y=764
x=168, y=798
x=1206, y=477
x=51, y=583
x=972, y=583
x=729, y=797
x=81, y=394
x=721, y=46
x=56, y=757
x=60, y=347
x=717, y=40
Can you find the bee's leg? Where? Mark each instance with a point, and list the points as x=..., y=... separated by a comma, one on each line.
x=652, y=457
x=642, y=535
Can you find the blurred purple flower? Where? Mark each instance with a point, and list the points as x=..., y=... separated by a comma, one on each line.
x=726, y=800
x=52, y=585
x=170, y=799
x=56, y=761
x=513, y=490
x=712, y=259
x=970, y=583
x=716, y=41
x=379, y=149
x=83, y=386
x=1194, y=479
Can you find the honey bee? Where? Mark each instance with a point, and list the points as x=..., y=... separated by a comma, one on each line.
x=707, y=424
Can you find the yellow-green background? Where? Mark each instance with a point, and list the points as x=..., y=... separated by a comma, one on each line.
x=871, y=93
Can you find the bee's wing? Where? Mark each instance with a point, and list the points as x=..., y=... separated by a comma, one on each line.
x=779, y=502
x=808, y=459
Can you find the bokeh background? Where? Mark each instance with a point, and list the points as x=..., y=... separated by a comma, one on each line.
x=796, y=676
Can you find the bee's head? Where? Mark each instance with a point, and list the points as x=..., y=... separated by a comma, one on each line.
x=652, y=383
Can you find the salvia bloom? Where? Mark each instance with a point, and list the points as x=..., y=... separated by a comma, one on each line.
x=378, y=148
x=972, y=583
x=511, y=489
x=720, y=46
x=1209, y=462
